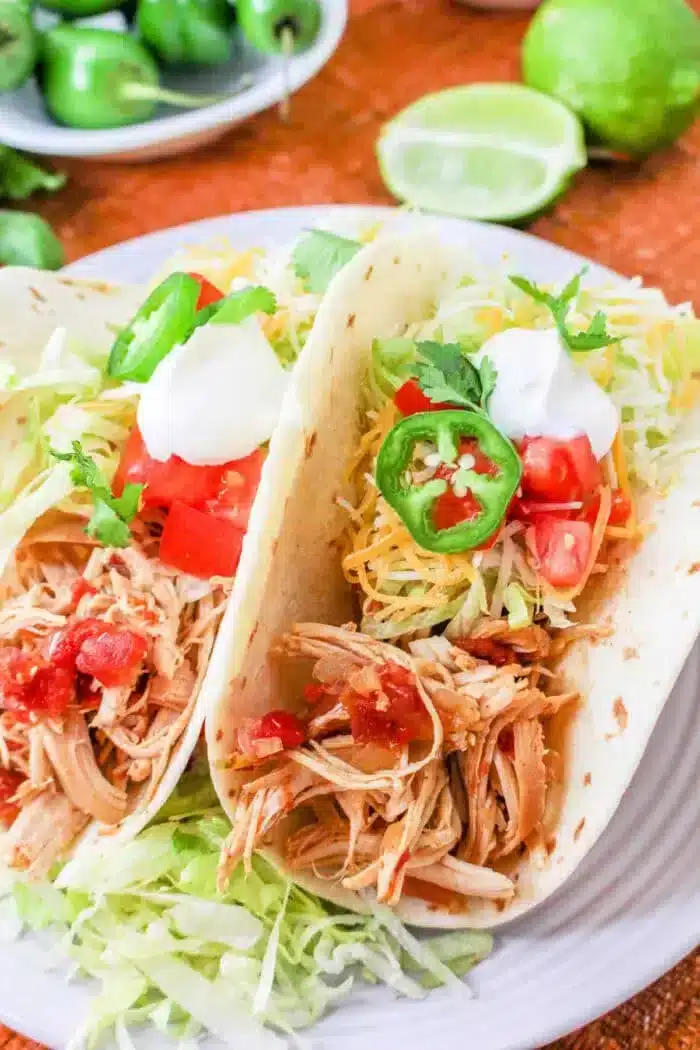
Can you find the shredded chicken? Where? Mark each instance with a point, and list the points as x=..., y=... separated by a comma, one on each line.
x=113, y=743
x=452, y=811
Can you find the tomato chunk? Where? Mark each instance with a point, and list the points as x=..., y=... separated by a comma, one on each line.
x=65, y=645
x=208, y=292
x=410, y=399
x=557, y=471
x=112, y=655
x=10, y=781
x=238, y=488
x=396, y=715
x=31, y=684
x=278, y=725
x=105, y=651
x=165, y=480
x=200, y=543
x=562, y=549
x=620, y=509
x=227, y=489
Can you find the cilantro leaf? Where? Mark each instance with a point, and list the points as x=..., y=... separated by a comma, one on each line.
x=111, y=514
x=21, y=177
x=445, y=374
x=320, y=255
x=106, y=525
x=488, y=376
x=594, y=337
x=237, y=306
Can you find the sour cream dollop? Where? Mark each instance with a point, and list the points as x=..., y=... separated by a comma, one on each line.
x=541, y=391
x=215, y=398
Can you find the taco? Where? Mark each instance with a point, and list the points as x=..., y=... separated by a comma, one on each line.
x=134, y=430
x=480, y=591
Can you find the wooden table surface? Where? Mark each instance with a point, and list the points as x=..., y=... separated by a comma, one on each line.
x=636, y=219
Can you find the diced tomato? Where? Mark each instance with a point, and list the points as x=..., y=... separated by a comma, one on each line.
x=227, y=490
x=112, y=656
x=277, y=725
x=558, y=471
x=10, y=781
x=562, y=549
x=165, y=480
x=79, y=589
x=102, y=650
x=29, y=683
x=200, y=543
x=394, y=716
x=586, y=466
x=410, y=399
x=208, y=292
x=238, y=489
x=64, y=645
x=620, y=509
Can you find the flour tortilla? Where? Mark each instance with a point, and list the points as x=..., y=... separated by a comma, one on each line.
x=292, y=573
x=33, y=304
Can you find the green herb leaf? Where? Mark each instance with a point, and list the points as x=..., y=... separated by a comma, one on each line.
x=448, y=375
x=111, y=514
x=106, y=526
x=594, y=337
x=21, y=177
x=239, y=305
x=488, y=376
x=320, y=255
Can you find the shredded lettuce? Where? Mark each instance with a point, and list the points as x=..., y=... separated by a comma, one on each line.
x=169, y=951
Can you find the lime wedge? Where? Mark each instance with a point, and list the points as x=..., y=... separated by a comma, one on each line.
x=484, y=151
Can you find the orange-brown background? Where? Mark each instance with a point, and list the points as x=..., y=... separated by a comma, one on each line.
x=635, y=219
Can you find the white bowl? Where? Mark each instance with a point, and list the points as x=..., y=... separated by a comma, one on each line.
x=26, y=125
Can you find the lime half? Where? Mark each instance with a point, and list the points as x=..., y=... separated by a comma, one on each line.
x=484, y=151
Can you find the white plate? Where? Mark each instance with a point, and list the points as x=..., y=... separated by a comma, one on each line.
x=631, y=911
x=25, y=124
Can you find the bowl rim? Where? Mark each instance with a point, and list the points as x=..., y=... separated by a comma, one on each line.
x=54, y=139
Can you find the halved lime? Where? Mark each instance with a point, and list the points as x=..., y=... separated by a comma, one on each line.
x=484, y=151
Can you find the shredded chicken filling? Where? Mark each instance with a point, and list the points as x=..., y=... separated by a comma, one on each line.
x=453, y=811
x=109, y=749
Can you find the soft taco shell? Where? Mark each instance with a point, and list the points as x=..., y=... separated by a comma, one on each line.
x=32, y=305
x=292, y=573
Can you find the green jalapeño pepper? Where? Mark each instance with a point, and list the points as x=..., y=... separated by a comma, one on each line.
x=18, y=44
x=279, y=26
x=199, y=31
x=166, y=319
x=98, y=78
x=490, y=487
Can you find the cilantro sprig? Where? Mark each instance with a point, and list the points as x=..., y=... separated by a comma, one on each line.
x=445, y=374
x=319, y=256
x=111, y=515
x=595, y=337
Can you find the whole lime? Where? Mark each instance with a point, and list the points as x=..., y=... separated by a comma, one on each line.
x=629, y=68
